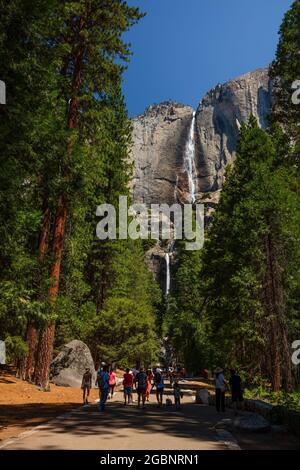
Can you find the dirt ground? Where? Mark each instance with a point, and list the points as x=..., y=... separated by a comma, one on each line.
x=23, y=406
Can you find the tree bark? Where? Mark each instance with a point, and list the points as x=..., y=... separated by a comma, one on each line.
x=45, y=349
x=31, y=339
x=32, y=333
x=44, y=357
x=280, y=372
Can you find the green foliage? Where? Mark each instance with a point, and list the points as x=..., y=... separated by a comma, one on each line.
x=290, y=401
x=16, y=348
x=257, y=203
x=125, y=332
x=41, y=158
x=184, y=320
x=284, y=72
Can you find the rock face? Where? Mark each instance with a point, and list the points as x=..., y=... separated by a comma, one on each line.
x=161, y=133
x=159, y=138
x=162, y=138
x=69, y=366
x=218, y=118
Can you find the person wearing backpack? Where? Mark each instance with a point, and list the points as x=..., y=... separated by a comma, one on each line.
x=141, y=386
x=103, y=384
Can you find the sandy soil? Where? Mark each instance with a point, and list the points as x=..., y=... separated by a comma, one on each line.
x=23, y=406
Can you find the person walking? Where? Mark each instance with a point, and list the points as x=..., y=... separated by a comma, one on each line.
x=141, y=386
x=149, y=383
x=112, y=383
x=159, y=384
x=171, y=375
x=177, y=393
x=220, y=385
x=86, y=385
x=103, y=384
x=235, y=383
x=128, y=385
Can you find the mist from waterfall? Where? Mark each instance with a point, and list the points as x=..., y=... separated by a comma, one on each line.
x=189, y=160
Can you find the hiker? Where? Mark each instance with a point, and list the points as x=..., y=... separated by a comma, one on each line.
x=171, y=375
x=86, y=385
x=220, y=384
x=159, y=384
x=103, y=384
x=127, y=385
x=141, y=386
x=149, y=383
x=235, y=383
x=177, y=393
x=134, y=372
x=98, y=374
x=112, y=383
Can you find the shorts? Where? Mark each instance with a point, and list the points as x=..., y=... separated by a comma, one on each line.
x=127, y=390
x=86, y=387
x=141, y=390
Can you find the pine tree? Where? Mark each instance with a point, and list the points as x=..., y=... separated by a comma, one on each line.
x=66, y=131
x=87, y=43
x=249, y=262
x=285, y=72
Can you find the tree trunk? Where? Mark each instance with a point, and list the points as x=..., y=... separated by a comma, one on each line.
x=31, y=339
x=32, y=333
x=44, y=358
x=44, y=237
x=45, y=349
x=280, y=372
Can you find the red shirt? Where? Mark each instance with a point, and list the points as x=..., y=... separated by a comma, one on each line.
x=128, y=380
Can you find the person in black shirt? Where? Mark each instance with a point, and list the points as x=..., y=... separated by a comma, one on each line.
x=141, y=386
x=235, y=383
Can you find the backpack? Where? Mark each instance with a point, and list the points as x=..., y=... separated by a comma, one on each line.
x=141, y=379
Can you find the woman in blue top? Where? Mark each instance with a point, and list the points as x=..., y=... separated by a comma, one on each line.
x=103, y=384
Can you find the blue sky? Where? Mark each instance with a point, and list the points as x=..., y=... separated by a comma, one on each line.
x=182, y=48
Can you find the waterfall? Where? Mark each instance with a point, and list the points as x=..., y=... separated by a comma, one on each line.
x=189, y=160
x=167, y=258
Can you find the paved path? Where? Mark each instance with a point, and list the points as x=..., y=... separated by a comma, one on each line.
x=127, y=428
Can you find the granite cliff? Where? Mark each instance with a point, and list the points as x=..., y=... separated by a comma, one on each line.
x=161, y=133
x=180, y=155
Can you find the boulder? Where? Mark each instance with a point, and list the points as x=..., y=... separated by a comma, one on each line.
x=70, y=364
x=202, y=396
x=251, y=422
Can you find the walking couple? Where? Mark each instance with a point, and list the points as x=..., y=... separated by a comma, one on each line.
x=221, y=386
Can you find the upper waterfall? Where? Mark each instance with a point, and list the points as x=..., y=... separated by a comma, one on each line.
x=189, y=160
